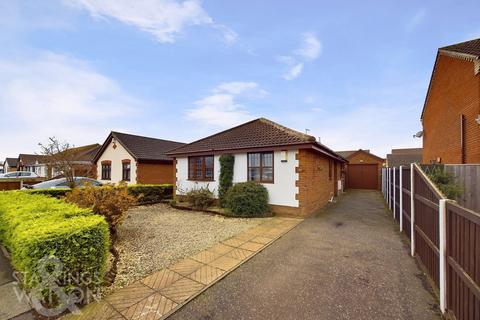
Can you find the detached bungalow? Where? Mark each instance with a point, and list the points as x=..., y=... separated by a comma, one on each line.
x=300, y=174
x=135, y=159
x=10, y=165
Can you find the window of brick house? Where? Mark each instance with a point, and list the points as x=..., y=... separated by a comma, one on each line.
x=260, y=167
x=126, y=168
x=200, y=168
x=106, y=170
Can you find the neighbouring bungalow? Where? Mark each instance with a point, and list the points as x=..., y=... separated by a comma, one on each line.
x=451, y=114
x=135, y=159
x=363, y=170
x=404, y=157
x=81, y=159
x=10, y=165
x=33, y=163
x=300, y=174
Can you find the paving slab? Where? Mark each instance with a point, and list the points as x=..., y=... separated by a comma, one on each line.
x=347, y=262
x=12, y=302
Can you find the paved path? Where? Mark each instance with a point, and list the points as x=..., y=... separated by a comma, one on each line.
x=10, y=305
x=348, y=262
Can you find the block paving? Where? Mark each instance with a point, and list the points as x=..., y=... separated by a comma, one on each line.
x=163, y=292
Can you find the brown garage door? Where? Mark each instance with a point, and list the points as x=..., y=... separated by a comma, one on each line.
x=362, y=176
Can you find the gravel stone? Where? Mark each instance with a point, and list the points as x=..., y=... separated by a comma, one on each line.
x=156, y=236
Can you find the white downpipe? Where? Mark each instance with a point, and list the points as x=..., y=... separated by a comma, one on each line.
x=401, y=198
x=442, y=223
x=412, y=211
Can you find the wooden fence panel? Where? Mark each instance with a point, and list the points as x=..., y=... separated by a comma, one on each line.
x=406, y=202
x=468, y=177
x=427, y=225
x=463, y=262
x=391, y=187
x=396, y=206
x=10, y=185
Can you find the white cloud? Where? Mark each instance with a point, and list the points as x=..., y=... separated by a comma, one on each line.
x=308, y=51
x=222, y=108
x=293, y=72
x=415, y=20
x=310, y=48
x=56, y=95
x=165, y=19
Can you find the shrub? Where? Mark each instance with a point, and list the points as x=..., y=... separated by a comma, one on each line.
x=56, y=193
x=34, y=226
x=248, y=199
x=108, y=201
x=151, y=193
x=200, y=198
x=226, y=176
x=445, y=182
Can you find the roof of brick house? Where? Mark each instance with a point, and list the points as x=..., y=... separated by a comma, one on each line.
x=141, y=148
x=254, y=135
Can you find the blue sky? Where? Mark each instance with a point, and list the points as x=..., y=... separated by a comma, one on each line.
x=354, y=73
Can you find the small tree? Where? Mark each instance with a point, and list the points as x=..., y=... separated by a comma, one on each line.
x=60, y=158
x=226, y=176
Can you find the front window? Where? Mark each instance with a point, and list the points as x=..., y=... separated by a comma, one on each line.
x=126, y=171
x=260, y=167
x=106, y=171
x=200, y=168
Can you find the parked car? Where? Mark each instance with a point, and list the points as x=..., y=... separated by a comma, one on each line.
x=19, y=174
x=62, y=183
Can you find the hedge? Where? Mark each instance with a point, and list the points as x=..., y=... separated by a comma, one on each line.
x=34, y=226
x=152, y=193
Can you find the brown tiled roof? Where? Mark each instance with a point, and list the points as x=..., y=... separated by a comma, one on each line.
x=258, y=133
x=12, y=162
x=85, y=153
x=348, y=153
x=404, y=157
x=142, y=148
x=471, y=47
x=31, y=159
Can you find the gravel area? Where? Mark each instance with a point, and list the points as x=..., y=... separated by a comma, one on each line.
x=154, y=237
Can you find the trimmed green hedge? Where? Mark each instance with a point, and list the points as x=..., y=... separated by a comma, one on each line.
x=151, y=193
x=34, y=226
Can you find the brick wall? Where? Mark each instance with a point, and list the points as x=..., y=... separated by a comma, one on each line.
x=315, y=187
x=154, y=173
x=454, y=90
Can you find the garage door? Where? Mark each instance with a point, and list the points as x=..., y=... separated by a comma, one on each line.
x=362, y=176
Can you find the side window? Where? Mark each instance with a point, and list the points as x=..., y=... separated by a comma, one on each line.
x=106, y=170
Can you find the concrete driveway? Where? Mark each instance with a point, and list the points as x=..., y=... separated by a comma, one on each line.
x=347, y=262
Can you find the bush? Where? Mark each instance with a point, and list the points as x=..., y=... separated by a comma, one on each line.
x=248, y=199
x=145, y=193
x=445, y=182
x=200, y=198
x=226, y=176
x=151, y=193
x=108, y=201
x=34, y=226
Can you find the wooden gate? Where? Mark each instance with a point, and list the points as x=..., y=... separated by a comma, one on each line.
x=362, y=176
x=463, y=262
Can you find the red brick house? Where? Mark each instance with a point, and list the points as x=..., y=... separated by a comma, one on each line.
x=300, y=174
x=363, y=169
x=135, y=159
x=451, y=114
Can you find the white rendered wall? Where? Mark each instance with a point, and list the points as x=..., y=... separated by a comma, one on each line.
x=116, y=156
x=281, y=192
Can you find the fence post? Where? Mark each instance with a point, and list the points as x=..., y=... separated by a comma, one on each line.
x=412, y=210
x=394, y=191
x=388, y=187
x=442, y=224
x=401, y=199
